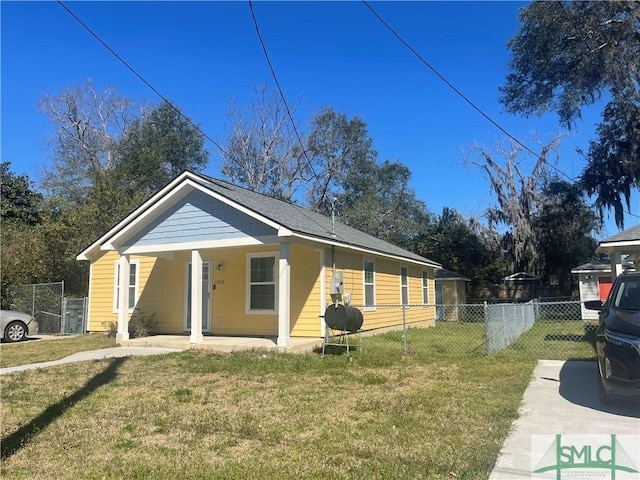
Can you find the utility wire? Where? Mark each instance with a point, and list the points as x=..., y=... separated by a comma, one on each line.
x=286, y=105
x=459, y=93
x=115, y=54
x=284, y=100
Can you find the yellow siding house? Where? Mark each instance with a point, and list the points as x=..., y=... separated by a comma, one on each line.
x=210, y=258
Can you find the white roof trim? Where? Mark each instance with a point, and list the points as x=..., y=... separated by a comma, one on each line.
x=182, y=185
x=591, y=271
x=200, y=245
x=616, y=245
x=95, y=246
x=365, y=250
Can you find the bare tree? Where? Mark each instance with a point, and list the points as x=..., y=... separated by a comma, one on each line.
x=263, y=152
x=86, y=125
x=518, y=197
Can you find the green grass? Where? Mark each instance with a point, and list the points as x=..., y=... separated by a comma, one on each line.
x=563, y=340
x=197, y=415
x=442, y=410
x=34, y=351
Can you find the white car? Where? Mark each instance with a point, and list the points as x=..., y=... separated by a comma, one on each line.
x=16, y=326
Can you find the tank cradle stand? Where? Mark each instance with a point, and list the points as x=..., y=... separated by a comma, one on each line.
x=343, y=335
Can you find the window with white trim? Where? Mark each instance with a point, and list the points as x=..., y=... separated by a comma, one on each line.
x=404, y=285
x=369, y=280
x=262, y=289
x=425, y=287
x=133, y=285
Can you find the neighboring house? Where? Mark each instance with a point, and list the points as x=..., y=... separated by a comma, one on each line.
x=520, y=286
x=621, y=247
x=451, y=291
x=594, y=280
x=208, y=257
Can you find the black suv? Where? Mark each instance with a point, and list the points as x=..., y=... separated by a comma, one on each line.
x=618, y=338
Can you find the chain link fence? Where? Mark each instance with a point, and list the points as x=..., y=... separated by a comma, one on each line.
x=43, y=301
x=545, y=330
x=46, y=302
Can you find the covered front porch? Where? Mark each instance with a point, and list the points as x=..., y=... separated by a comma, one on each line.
x=224, y=343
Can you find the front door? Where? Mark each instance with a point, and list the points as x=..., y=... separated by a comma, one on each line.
x=206, y=297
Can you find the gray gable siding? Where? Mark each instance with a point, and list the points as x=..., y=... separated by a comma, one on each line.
x=198, y=217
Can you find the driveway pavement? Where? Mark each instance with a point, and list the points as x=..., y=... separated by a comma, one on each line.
x=561, y=399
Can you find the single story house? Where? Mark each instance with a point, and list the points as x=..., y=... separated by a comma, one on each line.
x=621, y=247
x=594, y=280
x=451, y=291
x=208, y=257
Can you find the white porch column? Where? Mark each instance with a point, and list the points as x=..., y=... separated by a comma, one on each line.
x=196, y=297
x=284, y=296
x=123, y=299
x=616, y=264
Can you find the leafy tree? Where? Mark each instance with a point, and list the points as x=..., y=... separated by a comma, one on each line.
x=87, y=125
x=453, y=241
x=614, y=159
x=518, y=197
x=569, y=54
x=378, y=200
x=336, y=145
x=262, y=150
x=564, y=223
x=156, y=148
x=21, y=217
x=19, y=202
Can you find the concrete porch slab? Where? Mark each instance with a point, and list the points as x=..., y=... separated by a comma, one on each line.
x=224, y=344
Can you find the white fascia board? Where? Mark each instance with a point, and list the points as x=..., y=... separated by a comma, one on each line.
x=366, y=250
x=590, y=271
x=199, y=245
x=159, y=205
x=88, y=252
x=611, y=246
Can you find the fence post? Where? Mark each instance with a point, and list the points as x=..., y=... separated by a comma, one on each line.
x=404, y=328
x=486, y=327
x=63, y=319
x=85, y=312
x=33, y=300
x=63, y=305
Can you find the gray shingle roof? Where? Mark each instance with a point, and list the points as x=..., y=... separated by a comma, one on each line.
x=304, y=221
x=593, y=267
x=627, y=235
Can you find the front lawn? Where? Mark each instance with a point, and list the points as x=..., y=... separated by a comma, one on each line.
x=194, y=415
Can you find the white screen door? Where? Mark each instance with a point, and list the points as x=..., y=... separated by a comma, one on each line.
x=206, y=297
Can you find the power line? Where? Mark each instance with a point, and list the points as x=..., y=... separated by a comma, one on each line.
x=459, y=93
x=284, y=100
x=286, y=105
x=124, y=62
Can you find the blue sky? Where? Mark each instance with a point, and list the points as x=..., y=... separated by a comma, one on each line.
x=329, y=54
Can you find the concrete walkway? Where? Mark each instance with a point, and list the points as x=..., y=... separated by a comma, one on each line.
x=225, y=344
x=101, y=354
x=160, y=344
x=562, y=398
